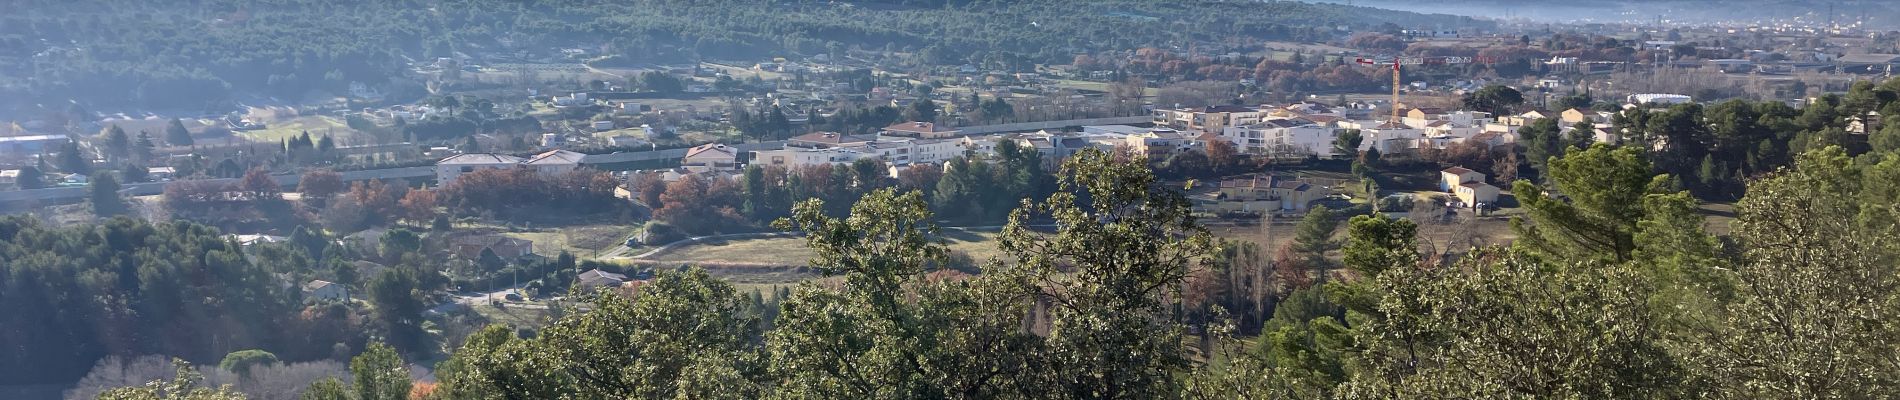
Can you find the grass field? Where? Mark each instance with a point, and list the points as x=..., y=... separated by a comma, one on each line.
x=316, y=125
x=581, y=240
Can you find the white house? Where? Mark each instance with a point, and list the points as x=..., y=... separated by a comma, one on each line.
x=321, y=290
x=710, y=156
x=449, y=168
x=554, y=162
x=1473, y=194
x=1455, y=176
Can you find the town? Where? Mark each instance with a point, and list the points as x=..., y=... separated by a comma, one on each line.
x=474, y=199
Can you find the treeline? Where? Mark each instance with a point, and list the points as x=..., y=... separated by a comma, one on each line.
x=127, y=287
x=206, y=54
x=967, y=189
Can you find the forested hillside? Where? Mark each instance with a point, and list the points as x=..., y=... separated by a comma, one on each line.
x=184, y=54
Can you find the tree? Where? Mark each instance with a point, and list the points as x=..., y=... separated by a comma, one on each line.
x=1507, y=325
x=1123, y=244
x=176, y=134
x=923, y=110
x=1494, y=99
x=241, y=361
x=1541, y=141
x=891, y=332
x=186, y=386
x=418, y=205
x=686, y=334
x=1314, y=237
x=141, y=150
x=104, y=197
x=135, y=174
x=30, y=178
x=257, y=184
x=399, y=309
x=73, y=160
x=1347, y=143
x=1815, y=281
x=320, y=184
x=118, y=145
x=379, y=374
x=489, y=261
x=1603, y=189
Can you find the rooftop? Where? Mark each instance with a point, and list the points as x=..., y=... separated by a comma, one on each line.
x=829, y=138
x=480, y=158
x=918, y=127
x=556, y=157
x=713, y=148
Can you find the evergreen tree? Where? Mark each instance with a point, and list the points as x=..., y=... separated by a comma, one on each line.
x=176, y=134
x=118, y=145
x=74, y=160
x=142, y=149
x=104, y=196
x=30, y=178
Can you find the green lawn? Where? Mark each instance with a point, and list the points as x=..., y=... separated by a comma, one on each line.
x=580, y=240
x=316, y=125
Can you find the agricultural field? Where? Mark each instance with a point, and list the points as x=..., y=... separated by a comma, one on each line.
x=279, y=129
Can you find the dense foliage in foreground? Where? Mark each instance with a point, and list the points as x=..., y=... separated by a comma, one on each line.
x=1616, y=292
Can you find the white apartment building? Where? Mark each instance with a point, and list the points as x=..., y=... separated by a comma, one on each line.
x=1283, y=136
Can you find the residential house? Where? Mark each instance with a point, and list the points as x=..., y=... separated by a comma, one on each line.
x=449, y=168
x=1387, y=137
x=508, y=248
x=1476, y=194
x=161, y=174
x=1454, y=176
x=1524, y=119
x=594, y=279
x=322, y=290
x=710, y=156
x=554, y=162
x=1156, y=142
x=1280, y=193
x=252, y=240
x=1576, y=115
x=920, y=130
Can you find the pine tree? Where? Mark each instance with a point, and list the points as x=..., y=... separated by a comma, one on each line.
x=104, y=196
x=176, y=134
x=142, y=149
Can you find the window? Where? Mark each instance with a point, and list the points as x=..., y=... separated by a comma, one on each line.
x=468, y=169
